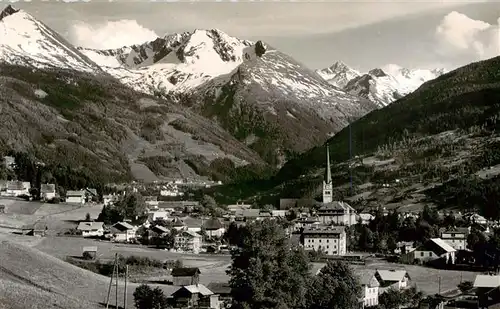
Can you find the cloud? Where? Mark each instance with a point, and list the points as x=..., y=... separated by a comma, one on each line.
x=460, y=36
x=112, y=34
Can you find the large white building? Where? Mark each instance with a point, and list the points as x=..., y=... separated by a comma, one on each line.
x=331, y=240
x=334, y=212
x=188, y=241
x=456, y=237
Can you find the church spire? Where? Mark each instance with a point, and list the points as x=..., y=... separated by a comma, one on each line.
x=328, y=172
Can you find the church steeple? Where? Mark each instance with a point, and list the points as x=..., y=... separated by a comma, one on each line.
x=327, y=182
x=328, y=171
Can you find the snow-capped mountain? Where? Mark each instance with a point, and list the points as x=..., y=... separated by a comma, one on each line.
x=27, y=41
x=381, y=85
x=261, y=96
x=339, y=74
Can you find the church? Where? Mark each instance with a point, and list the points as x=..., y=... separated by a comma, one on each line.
x=334, y=212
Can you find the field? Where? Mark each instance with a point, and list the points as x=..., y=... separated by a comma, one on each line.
x=57, y=217
x=33, y=279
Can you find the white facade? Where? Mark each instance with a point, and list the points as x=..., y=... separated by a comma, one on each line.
x=18, y=188
x=91, y=229
x=330, y=240
x=123, y=232
x=218, y=233
x=370, y=294
x=337, y=213
x=75, y=197
x=188, y=241
x=456, y=239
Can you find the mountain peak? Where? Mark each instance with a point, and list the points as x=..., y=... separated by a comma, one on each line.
x=377, y=72
x=9, y=10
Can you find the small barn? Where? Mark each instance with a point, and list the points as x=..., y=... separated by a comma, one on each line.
x=186, y=276
x=89, y=253
x=195, y=296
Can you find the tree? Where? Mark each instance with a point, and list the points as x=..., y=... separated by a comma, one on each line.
x=475, y=238
x=209, y=204
x=335, y=287
x=265, y=272
x=147, y=298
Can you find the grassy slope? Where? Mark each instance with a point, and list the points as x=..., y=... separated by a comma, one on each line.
x=444, y=130
x=83, y=120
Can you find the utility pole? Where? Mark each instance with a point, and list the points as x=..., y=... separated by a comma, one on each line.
x=125, y=289
x=111, y=281
x=116, y=285
x=439, y=284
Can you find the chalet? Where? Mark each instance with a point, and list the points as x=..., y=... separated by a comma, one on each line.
x=456, y=237
x=17, y=188
x=188, y=241
x=75, y=197
x=214, y=228
x=487, y=290
x=370, y=288
x=91, y=195
x=432, y=250
x=337, y=213
x=195, y=296
x=332, y=240
x=91, y=229
x=223, y=289
x=158, y=231
x=395, y=279
x=186, y=276
x=178, y=224
x=47, y=191
x=123, y=232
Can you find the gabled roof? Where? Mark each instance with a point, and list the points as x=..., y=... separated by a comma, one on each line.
x=487, y=281
x=123, y=226
x=177, y=222
x=185, y=271
x=90, y=226
x=213, y=224
x=159, y=228
x=324, y=230
x=91, y=191
x=190, y=233
x=80, y=193
x=195, y=289
x=392, y=275
x=367, y=277
x=443, y=245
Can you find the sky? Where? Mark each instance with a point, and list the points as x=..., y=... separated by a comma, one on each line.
x=363, y=34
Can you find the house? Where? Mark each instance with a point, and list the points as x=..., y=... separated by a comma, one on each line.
x=432, y=250
x=369, y=287
x=188, y=241
x=486, y=282
x=75, y=197
x=306, y=223
x=18, y=188
x=123, y=231
x=365, y=218
x=178, y=224
x=91, y=229
x=337, y=213
x=332, y=240
x=456, y=237
x=395, y=279
x=223, y=289
x=47, y=191
x=238, y=206
x=157, y=231
x=195, y=296
x=186, y=276
x=157, y=215
x=214, y=228
x=90, y=195
x=404, y=247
